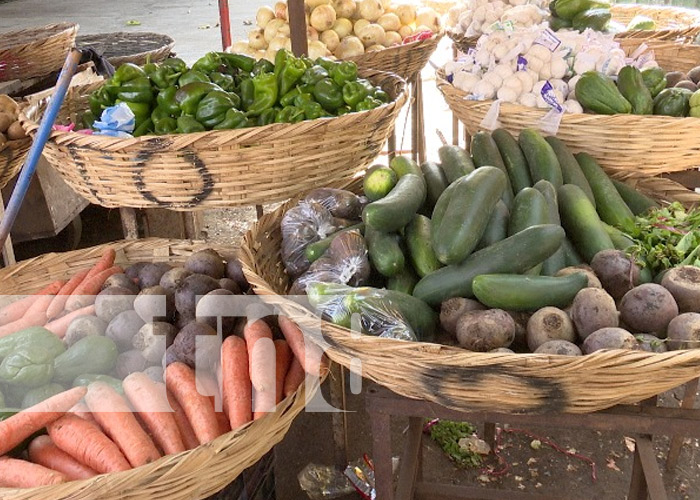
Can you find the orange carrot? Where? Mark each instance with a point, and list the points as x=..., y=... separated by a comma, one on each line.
x=189, y=438
x=86, y=443
x=37, y=311
x=81, y=410
x=19, y=427
x=295, y=377
x=16, y=326
x=85, y=293
x=15, y=473
x=261, y=358
x=235, y=379
x=150, y=401
x=307, y=353
x=60, y=326
x=180, y=379
x=14, y=311
x=210, y=388
x=59, y=301
x=113, y=414
x=283, y=359
x=106, y=261
x=44, y=452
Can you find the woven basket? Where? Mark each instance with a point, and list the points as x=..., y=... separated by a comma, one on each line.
x=465, y=380
x=35, y=52
x=129, y=47
x=12, y=157
x=221, y=168
x=189, y=475
x=405, y=60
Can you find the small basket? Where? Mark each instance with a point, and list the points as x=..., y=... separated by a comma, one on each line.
x=219, y=168
x=128, y=47
x=190, y=475
x=405, y=60
x=465, y=380
x=35, y=52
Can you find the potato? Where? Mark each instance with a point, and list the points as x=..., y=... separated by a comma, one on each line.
x=273, y=28
x=617, y=271
x=155, y=373
x=372, y=34
x=129, y=362
x=331, y=39
x=150, y=274
x=684, y=284
x=593, y=281
x=281, y=11
x=359, y=25
x=427, y=17
x=593, y=309
x=318, y=49
x=392, y=38
x=134, y=269
x=406, y=13
x=502, y=350
x=82, y=326
x=521, y=318
x=561, y=347
x=343, y=27
x=256, y=39
x=452, y=309
x=3, y=139
x=264, y=15
x=344, y=8
x=673, y=77
x=277, y=43
x=120, y=280
x=549, y=323
x=648, y=308
x=370, y=9
x=172, y=278
x=182, y=320
x=686, y=84
x=5, y=121
x=188, y=290
x=234, y=271
x=375, y=47
x=123, y=328
x=608, y=338
x=207, y=262
x=15, y=131
x=152, y=340
x=112, y=301
x=484, y=331
x=322, y=17
x=389, y=21
x=405, y=31
x=684, y=331
x=196, y=342
x=650, y=343
x=230, y=285
x=694, y=75
x=214, y=304
x=155, y=304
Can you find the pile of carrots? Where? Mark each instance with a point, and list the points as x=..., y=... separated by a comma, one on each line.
x=60, y=302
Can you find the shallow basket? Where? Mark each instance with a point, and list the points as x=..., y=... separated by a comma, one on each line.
x=465, y=380
x=219, y=168
x=626, y=145
x=129, y=47
x=33, y=52
x=190, y=475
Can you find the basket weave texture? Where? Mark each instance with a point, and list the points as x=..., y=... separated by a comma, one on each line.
x=628, y=146
x=465, y=380
x=129, y=47
x=12, y=156
x=190, y=475
x=33, y=52
x=219, y=168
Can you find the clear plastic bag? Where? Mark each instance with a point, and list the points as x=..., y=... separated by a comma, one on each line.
x=339, y=202
x=323, y=482
x=306, y=223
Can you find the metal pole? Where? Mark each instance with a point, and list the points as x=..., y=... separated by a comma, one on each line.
x=225, y=23
x=40, y=139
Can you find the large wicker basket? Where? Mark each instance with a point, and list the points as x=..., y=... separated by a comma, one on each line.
x=465, y=380
x=190, y=475
x=220, y=168
x=129, y=47
x=626, y=145
x=33, y=52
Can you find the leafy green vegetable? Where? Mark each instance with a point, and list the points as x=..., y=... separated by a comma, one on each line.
x=666, y=237
x=447, y=435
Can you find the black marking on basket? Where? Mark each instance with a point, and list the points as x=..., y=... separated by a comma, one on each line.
x=80, y=167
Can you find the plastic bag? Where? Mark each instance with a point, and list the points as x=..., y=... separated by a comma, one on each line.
x=116, y=121
x=322, y=482
x=341, y=203
x=306, y=223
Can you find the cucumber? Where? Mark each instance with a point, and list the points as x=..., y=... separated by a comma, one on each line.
x=514, y=160
x=91, y=354
x=396, y=209
x=619, y=239
x=403, y=165
x=385, y=252
x=435, y=181
x=442, y=204
x=314, y=250
x=404, y=282
x=515, y=254
x=610, y=205
x=455, y=162
x=571, y=255
x=417, y=237
x=558, y=260
x=541, y=159
x=570, y=170
x=514, y=292
x=378, y=182
x=467, y=214
x=497, y=228
x=529, y=209
x=581, y=221
x=636, y=201
x=485, y=153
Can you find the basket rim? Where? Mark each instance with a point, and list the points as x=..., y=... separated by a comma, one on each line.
x=167, y=43
x=48, y=31
x=435, y=38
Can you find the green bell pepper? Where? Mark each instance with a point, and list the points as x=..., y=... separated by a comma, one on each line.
x=176, y=64
x=188, y=125
x=241, y=61
x=99, y=100
x=247, y=93
x=314, y=74
x=380, y=95
x=328, y=94
x=308, y=62
x=136, y=90
x=265, y=92
x=353, y=93
x=29, y=366
x=233, y=119
x=262, y=66
x=127, y=72
x=289, y=114
x=343, y=110
x=326, y=63
x=213, y=107
x=166, y=101
x=288, y=98
x=312, y=110
x=188, y=97
x=281, y=57
x=164, y=77
x=303, y=98
x=164, y=126
x=141, y=110
x=145, y=128
x=160, y=113
x=344, y=72
x=368, y=103
x=291, y=72
x=208, y=63
x=88, y=119
x=222, y=80
x=150, y=68
x=192, y=76
x=266, y=117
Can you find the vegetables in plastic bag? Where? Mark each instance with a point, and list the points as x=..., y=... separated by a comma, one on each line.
x=340, y=202
x=306, y=223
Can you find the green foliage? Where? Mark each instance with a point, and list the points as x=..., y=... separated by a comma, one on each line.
x=447, y=435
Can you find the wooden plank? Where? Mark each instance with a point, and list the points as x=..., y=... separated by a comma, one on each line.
x=129, y=223
x=381, y=455
x=410, y=459
x=297, y=27
x=650, y=467
x=439, y=491
x=674, y=449
x=338, y=421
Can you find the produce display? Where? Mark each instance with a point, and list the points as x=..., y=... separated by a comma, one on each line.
x=341, y=28
x=521, y=245
x=10, y=128
x=232, y=91
x=476, y=17
x=593, y=14
x=97, y=373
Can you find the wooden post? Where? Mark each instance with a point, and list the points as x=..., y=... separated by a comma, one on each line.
x=297, y=27
x=225, y=23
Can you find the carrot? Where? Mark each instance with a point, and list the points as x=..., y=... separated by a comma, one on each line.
x=210, y=388
x=113, y=414
x=235, y=380
x=86, y=443
x=44, y=452
x=59, y=301
x=150, y=401
x=189, y=438
x=180, y=379
x=85, y=293
x=283, y=358
x=14, y=311
x=261, y=356
x=295, y=376
x=15, y=326
x=105, y=262
x=15, y=473
x=308, y=354
x=37, y=311
x=20, y=426
x=81, y=410
x=60, y=326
